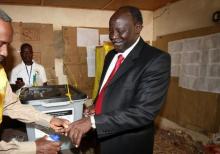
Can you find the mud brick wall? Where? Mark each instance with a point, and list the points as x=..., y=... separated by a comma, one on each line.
x=195, y=110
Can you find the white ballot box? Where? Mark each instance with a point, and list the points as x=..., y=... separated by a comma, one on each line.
x=54, y=100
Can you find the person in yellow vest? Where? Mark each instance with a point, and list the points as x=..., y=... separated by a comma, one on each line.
x=11, y=106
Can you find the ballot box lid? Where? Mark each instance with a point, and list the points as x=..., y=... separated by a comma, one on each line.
x=52, y=93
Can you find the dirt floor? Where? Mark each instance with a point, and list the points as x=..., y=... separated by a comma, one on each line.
x=176, y=142
x=167, y=141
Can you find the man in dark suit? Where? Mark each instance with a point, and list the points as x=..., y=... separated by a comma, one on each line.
x=131, y=99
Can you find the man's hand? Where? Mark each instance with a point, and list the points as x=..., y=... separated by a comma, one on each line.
x=78, y=129
x=59, y=125
x=89, y=111
x=45, y=146
x=19, y=83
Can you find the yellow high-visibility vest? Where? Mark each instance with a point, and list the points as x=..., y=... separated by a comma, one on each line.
x=3, y=84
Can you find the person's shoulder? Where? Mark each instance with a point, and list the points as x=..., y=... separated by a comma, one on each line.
x=17, y=67
x=111, y=53
x=150, y=53
x=38, y=65
x=154, y=50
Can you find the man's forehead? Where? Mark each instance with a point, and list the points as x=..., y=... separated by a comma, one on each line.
x=6, y=31
x=4, y=23
x=121, y=21
x=121, y=15
x=26, y=49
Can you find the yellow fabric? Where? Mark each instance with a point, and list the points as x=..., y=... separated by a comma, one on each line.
x=100, y=54
x=3, y=83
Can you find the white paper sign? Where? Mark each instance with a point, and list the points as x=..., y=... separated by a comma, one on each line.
x=91, y=60
x=87, y=37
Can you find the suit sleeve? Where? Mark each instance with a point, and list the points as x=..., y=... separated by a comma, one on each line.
x=148, y=97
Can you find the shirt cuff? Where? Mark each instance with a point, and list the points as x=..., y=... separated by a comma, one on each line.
x=92, y=119
x=44, y=119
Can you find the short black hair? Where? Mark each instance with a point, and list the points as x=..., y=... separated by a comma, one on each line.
x=4, y=16
x=25, y=46
x=135, y=13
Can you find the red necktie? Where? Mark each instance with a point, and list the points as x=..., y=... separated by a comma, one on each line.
x=98, y=105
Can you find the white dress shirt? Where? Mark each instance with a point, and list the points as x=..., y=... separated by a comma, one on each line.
x=27, y=72
x=114, y=60
x=110, y=68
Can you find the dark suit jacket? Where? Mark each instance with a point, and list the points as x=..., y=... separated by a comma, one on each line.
x=132, y=100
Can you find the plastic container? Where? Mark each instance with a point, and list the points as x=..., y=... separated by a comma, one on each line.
x=58, y=106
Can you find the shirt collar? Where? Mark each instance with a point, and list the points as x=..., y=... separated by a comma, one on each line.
x=24, y=63
x=128, y=50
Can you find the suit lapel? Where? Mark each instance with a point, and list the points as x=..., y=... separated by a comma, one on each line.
x=106, y=65
x=129, y=61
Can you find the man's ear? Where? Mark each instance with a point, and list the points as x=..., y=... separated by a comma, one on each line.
x=138, y=28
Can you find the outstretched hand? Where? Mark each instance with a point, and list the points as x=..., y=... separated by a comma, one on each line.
x=78, y=129
x=59, y=125
x=45, y=146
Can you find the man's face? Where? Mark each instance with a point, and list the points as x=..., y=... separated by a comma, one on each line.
x=27, y=55
x=6, y=34
x=123, y=32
